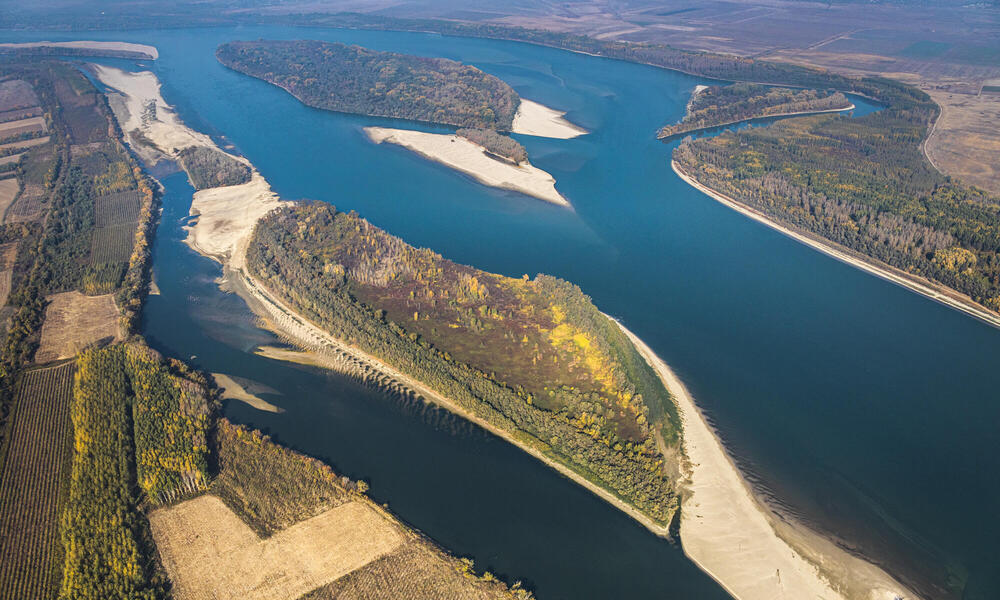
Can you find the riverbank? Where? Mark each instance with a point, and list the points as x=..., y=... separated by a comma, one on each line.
x=141, y=51
x=459, y=153
x=727, y=532
x=539, y=120
x=802, y=113
x=921, y=286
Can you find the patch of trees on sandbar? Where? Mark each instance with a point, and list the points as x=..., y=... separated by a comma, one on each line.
x=357, y=80
x=724, y=104
x=534, y=358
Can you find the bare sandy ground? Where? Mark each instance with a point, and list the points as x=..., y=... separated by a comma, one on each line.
x=729, y=534
x=469, y=158
x=149, y=51
x=231, y=390
x=210, y=553
x=74, y=321
x=926, y=288
x=539, y=120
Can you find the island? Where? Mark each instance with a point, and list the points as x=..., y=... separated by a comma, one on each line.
x=82, y=48
x=718, y=105
x=357, y=80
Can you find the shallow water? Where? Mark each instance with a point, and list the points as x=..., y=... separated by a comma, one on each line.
x=865, y=409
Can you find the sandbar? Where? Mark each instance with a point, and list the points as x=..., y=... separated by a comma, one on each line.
x=539, y=120
x=149, y=51
x=232, y=390
x=462, y=155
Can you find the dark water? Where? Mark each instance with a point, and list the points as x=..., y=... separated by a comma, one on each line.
x=868, y=411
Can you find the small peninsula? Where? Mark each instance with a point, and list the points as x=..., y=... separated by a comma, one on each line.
x=717, y=105
x=357, y=80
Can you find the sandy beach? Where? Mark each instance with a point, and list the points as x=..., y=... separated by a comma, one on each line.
x=921, y=286
x=462, y=155
x=539, y=120
x=149, y=51
x=232, y=390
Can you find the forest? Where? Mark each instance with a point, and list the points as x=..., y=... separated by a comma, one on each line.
x=724, y=104
x=209, y=168
x=496, y=144
x=533, y=357
x=357, y=80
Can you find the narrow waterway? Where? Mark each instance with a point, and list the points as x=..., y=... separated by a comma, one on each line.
x=866, y=410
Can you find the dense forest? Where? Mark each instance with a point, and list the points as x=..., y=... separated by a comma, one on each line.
x=496, y=144
x=209, y=168
x=357, y=80
x=532, y=357
x=863, y=183
x=722, y=104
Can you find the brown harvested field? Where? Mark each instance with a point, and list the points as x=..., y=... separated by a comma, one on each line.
x=73, y=322
x=112, y=244
x=208, y=552
x=117, y=209
x=35, y=476
x=6, y=160
x=415, y=570
x=27, y=207
x=21, y=113
x=22, y=126
x=8, y=254
x=5, y=280
x=966, y=140
x=8, y=191
x=25, y=143
x=16, y=93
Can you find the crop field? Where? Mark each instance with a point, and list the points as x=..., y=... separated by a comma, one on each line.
x=13, y=158
x=20, y=113
x=74, y=322
x=15, y=94
x=22, y=126
x=25, y=143
x=5, y=280
x=117, y=209
x=210, y=553
x=113, y=243
x=32, y=484
x=8, y=191
x=27, y=207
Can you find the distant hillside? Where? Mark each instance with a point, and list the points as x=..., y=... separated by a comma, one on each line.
x=357, y=80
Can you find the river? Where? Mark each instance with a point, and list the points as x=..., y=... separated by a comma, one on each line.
x=863, y=409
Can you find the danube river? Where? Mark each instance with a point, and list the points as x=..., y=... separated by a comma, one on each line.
x=862, y=409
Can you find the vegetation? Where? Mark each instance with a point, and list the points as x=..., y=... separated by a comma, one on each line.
x=534, y=358
x=208, y=168
x=357, y=80
x=496, y=144
x=33, y=484
x=721, y=105
x=268, y=486
x=863, y=183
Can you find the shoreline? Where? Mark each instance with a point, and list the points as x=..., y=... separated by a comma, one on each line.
x=801, y=113
x=926, y=288
x=536, y=119
x=465, y=156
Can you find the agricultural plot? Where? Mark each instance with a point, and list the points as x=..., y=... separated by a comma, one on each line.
x=21, y=113
x=210, y=553
x=16, y=94
x=112, y=244
x=27, y=207
x=33, y=482
x=29, y=125
x=117, y=209
x=8, y=192
x=11, y=146
x=13, y=158
x=5, y=281
x=74, y=322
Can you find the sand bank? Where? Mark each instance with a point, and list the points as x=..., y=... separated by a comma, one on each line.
x=730, y=535
x=539, y=120
x=934, y=291
x=142, y=49
x=231, y=390
x=462, y=155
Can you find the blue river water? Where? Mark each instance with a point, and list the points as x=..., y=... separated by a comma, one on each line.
x=864, y=410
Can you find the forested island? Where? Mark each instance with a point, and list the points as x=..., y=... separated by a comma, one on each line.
x=717, y=105
x=532, y=357
x=353, y=79
x=496, y=145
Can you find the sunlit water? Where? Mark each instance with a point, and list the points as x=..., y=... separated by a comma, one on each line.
x=864, y=409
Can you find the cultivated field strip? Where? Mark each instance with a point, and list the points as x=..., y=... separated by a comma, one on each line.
x=112, y=244
x=8, y=192
x=34, y=475
x=21, y=113
x=5, y=279
x=27, y=207
x=117, y=209
x=30, y=125
x=6, y=160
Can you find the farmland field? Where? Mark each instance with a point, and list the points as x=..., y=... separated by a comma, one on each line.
x=33, y=480
x=20, y=113
x=73, y=322
x=27, y=207
x=6, y=160
x=117, y=209
x=25, y=143
x=16, y=94
x=113, y=243
x=10, y=128
x=5, y=280
x=8, y=191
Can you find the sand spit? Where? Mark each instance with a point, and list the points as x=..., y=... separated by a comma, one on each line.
x=731, y=536
x=921, y=286
x=231, y=390
x=462, y=155
x=149, y=51
x=539, y=120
